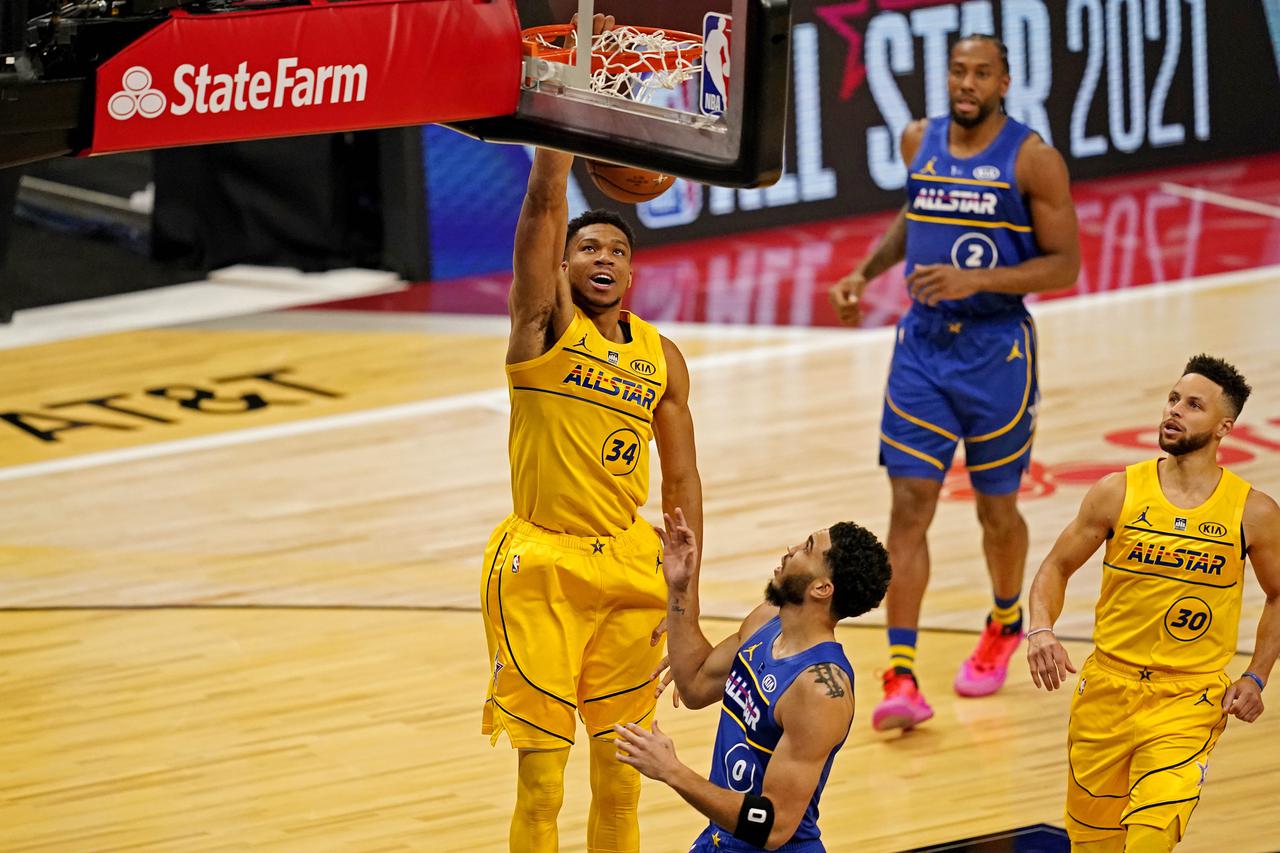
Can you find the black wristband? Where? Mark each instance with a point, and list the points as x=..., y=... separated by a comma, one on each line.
x=755, y=821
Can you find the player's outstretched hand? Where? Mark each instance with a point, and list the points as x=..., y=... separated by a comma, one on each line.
x=679, y=551
x=933, y=283
x=1243, y=699
x=664, y=670
x=599, y=24
x=846, y=298
x=1048, y=660
x=651, y=752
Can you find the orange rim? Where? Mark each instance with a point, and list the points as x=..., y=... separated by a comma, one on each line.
x=535, y=38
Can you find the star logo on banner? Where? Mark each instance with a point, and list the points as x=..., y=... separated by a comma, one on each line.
x=844, y=18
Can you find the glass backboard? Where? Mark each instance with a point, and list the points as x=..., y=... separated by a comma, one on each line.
x=693, y=88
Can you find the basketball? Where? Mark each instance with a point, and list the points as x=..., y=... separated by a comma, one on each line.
x=628, y=184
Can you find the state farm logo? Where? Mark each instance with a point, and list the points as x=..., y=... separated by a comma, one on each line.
x=197, y=90
x=137, y=97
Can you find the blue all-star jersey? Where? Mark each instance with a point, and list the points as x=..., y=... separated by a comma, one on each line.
x=748, y=733
x=969, y=212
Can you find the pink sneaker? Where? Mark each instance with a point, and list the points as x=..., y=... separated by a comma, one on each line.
x=985, y=670
x=902, y=707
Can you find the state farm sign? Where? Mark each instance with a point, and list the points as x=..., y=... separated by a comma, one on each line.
x=229, y=76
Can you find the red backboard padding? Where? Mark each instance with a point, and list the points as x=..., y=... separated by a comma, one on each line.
x=319, y=68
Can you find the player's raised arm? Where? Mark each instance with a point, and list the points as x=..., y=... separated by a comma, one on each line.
x=539, y=301
x=1262, y=537
x=1076, y=544
x=698, y=669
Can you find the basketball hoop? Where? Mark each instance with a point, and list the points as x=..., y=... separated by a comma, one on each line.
x=626, y=62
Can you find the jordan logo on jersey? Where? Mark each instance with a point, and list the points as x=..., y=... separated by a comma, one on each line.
x=1142, y=518
x=928, y=167
x=750, y=652
x=582, y=342
x=1014, y=353
x=1204, y=699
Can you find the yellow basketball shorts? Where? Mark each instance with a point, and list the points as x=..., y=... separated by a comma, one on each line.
x=1138, y=746
x=569, y=621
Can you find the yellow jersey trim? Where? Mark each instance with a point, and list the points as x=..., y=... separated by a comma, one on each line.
x=973, y=182
x=937, y=463
x=917, y=421
x=742, y=726
x=551, y=350
x=1026, y=395
x=754, y=680
x=1012, y=456
x=977, y=223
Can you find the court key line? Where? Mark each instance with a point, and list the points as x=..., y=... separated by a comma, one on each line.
x=1220, y=199
x=495, y=399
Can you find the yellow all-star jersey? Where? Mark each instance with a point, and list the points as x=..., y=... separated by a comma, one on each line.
x=581, y=422
x=1172, y=578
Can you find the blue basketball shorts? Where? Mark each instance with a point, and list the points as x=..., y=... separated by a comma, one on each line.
x=716, y=840
x=970, y=379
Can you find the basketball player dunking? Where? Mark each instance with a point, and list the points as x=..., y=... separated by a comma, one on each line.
x=1153, y=698
x=573, y=589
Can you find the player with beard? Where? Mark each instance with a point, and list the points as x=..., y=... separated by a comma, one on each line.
x=571, y=591
x=784, y=683
x=1153, y=697
x=988, y=219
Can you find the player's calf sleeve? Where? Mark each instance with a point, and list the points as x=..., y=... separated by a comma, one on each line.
x=1151, y=839
x=539, y=795
x=613, y=825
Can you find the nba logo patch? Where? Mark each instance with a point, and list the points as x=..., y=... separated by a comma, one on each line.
x=515, y=564
x=1179, y=524
x=613, y=357
x=713, y=99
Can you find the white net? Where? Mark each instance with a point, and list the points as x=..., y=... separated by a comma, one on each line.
x=633, y=63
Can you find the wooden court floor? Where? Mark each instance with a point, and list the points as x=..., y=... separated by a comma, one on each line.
x=233, y=626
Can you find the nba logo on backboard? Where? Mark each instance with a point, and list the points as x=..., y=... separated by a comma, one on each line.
x=714, y=98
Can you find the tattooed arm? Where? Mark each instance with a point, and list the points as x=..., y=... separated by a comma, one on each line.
x=819, y=704
x=815, y=714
